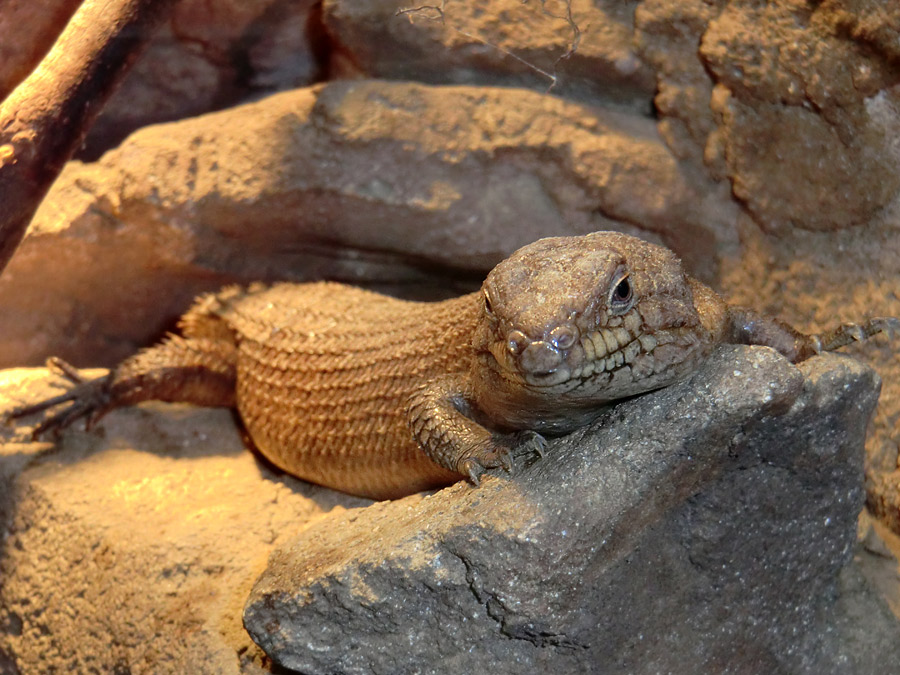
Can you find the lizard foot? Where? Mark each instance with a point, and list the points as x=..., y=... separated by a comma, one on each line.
x=848, y=333
x=502, y=451
x=88, y=399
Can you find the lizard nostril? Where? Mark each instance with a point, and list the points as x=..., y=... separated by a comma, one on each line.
x=516, y=342
x=563, y=337
x=540, y=358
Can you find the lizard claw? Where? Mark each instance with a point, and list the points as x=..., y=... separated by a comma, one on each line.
x=64, y=369
x=88, y=399
x=491, y=455
x=473, y=469
x=501, y=452
x=531, y=442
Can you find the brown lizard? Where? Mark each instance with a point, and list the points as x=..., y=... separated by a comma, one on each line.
x=382, y=397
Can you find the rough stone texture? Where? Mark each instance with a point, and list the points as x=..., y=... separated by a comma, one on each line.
x=816, y=279
x=704, y=524
x=208, y=56
x=581, y=50
x=779, y=99
x=793, y=98
x=346, y=181
x=132, y=549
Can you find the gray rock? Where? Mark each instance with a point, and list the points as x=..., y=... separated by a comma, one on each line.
x=701, y=528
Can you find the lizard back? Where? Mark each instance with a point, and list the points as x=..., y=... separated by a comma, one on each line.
x=324, y=372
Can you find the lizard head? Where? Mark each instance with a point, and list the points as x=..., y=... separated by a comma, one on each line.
x=588, y=319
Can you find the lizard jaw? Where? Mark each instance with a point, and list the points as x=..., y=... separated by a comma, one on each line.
x=597, y=356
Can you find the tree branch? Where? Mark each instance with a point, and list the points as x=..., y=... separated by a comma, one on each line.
x=45, y=118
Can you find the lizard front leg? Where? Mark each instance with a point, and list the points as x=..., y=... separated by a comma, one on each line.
x=444, y=423
x=749, y=327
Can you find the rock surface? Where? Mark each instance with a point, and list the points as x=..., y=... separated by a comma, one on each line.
x=810, y=80
x=580, y=50
x=133, y=548
x=704, y=524
x=208, y=56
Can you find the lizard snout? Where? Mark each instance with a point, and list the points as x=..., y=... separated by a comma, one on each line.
x=541, y=357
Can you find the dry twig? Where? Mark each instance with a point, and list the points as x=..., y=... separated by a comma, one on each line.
x=45, y=118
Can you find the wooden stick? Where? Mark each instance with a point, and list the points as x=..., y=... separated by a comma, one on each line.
x=45, y=118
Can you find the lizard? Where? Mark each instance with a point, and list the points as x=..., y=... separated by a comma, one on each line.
x=382, y=397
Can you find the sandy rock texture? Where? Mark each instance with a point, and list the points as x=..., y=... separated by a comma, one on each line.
x=706, y=524
x=581, y=50
x=133, y=548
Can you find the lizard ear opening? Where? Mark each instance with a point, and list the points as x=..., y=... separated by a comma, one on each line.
x=488, y=305
x=621, y=293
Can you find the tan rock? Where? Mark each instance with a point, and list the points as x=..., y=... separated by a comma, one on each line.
x=801, y=144
x=134, y=547
x=576, y=49
x=779, y=100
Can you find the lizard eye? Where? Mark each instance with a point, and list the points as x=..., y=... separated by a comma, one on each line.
x=621, y=295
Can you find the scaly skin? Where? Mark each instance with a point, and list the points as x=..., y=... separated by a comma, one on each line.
x=347, y=388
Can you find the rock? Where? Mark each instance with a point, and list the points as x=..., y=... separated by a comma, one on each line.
x=815, y=280
x=808, y=79
x=211, y=54
x=133, y=548
x=703, y=524
x=317, y=183
x=578, y=50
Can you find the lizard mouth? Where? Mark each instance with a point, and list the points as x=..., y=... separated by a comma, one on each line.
x=597, y=355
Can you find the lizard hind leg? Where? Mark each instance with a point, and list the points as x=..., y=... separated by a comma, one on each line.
x=188, y=370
